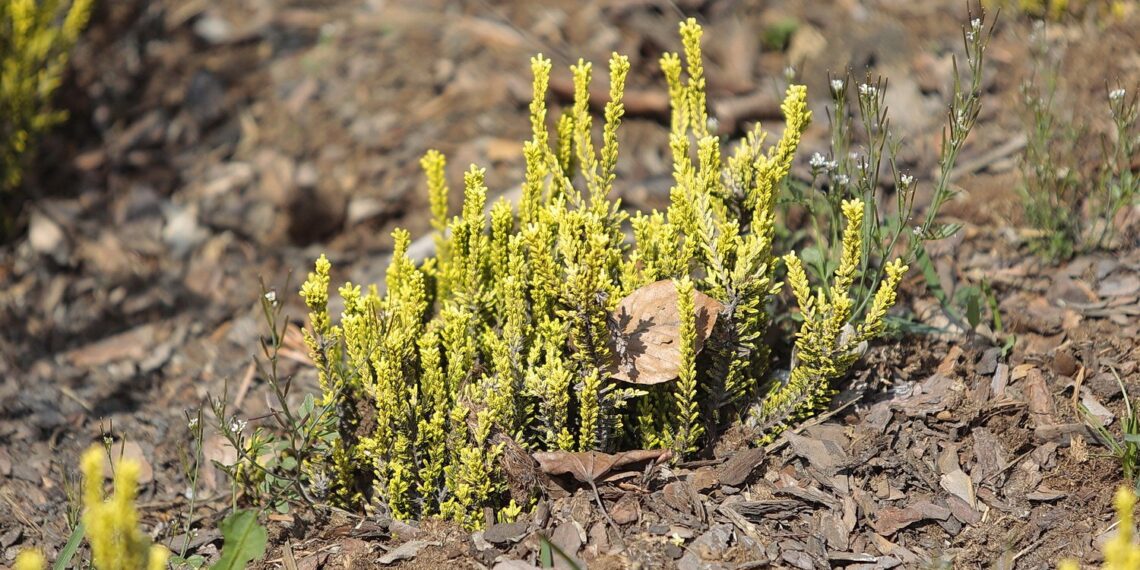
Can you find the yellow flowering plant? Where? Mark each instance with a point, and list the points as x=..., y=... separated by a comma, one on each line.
x=35, y=38
x=112, y=524
x=1121, y=552
x=506, y=335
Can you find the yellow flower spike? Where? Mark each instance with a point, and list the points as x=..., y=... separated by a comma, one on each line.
x=798, y=281
x=691, y=33
x=1120, y=553
x=690, y=429
x=434, y=165
x=116, y=541
x=583, y=120
x=885, y=297
x=619, y=70
x=771, y=169
x=92, y=466
x=678, y=104
x=540, y=68
x=30, y=560
x=76, y=19
x=852, y=242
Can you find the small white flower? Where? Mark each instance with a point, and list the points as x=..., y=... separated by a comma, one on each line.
x=236, y=425
x=192, y=424
x=868, y=90
x=790, y=73
x=970, y=36
x=1116, y=94
x=841, y=180
x=917, y=231
x=271, y=296
x=837, y=85
x=976, y=24
x=907, y=180
x=817, y=160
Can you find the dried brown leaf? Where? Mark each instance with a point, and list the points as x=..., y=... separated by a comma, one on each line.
x=647, y=347
x=590, y=466
x=892, y=519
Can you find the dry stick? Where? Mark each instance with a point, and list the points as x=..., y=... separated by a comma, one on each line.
x=287, y=558
x=602, y=506
x=243, y=388
x=989, y=157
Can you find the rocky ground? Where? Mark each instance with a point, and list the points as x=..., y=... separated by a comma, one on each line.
x=211, y=144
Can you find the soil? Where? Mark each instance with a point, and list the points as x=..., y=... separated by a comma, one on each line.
x=213, y=144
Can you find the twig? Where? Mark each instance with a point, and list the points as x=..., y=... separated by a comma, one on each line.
x=243, y=388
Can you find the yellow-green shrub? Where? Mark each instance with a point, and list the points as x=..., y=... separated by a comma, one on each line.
x=507, y=329
x=1121, y=552
x=35, y=38
x=111, y=524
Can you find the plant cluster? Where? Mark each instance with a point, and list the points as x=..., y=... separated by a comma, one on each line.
x=868, y=171
x=1058, y=10
x=1072, y=207
x=273, y=462
x=35, y=38
x=507, y=340
x=111, y=525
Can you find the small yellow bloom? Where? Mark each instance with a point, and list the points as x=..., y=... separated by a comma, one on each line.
x=30, y=560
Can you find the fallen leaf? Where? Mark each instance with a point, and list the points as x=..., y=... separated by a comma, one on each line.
x=590, y=466
x=405, y=551
x=1045, y=494
x=647, y=346
x=1094, y=407
x=891, y=519
x=827, y=458
x=959, y=484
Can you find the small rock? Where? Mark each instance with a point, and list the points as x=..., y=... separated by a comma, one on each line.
x=568, y=538
x=183, y=232
x=213, y=29
x=987, y=364
x=625, y=511
x=504, y=533
x=709, y=546
x=46, y=237
x=205, y=98
x=1064, y=363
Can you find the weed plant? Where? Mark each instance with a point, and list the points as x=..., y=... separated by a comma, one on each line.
x=1073, y=208
x=867, y=171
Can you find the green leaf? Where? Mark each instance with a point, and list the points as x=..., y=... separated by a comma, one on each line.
x=930, y=274
x=971, y=297
x=306, y=408
x=941, y=232
x=69, y=549
x=194, y=561
x=244, y=540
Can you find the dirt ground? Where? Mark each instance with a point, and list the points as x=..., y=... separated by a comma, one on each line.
x=215, y=142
